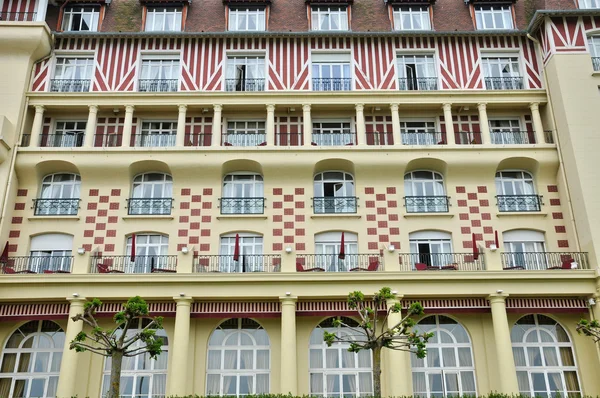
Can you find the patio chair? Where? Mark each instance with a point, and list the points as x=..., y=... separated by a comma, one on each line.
x=373, y=266
x=11, y=270
x=300, y=268
x=567, y=264
x=104, y=269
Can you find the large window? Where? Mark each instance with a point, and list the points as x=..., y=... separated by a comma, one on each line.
x=242, y=194
x=245, y=133
x=141, y=376
x=151, y=252
x=157, y=134
x=493, y=16
x=159, y=74
x=331, y=72
x=245, y=73
x=31, y=361
x=329, y=18
x=50, y=253
x=163, y=19
x=328, y=247
x=425, y=192
x=544, y=358
x=247, y=19
x=77, y=18
x=333, y=134
x=249, y=249
x=59, y=195
x=502, y=73
x=516, y=191
x=432, y=248
x=525, y=249
x=335, y=371
x=448, y=370
x=420, y=132
x=238, y=359
x=589, y=3
x=151, y=193
x=334, y=193
x=508, y=132
x=412, y=18
x=72, y=74
x=594, y=46
x=417, y=72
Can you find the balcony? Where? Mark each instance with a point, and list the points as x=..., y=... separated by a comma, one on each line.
x=332, y=263
x=242, y=205
x=153, y=140
x=467, y=138
x=149, y=206
x=426, y=204
x=512, y=137
x=519, y=203
x=70, y=85
x=541, y=261
x=198, y=140
x=141, y=265
x=333, y=139
x=244, y=84
x=423, y=138
x=56, y=207
x=18, y=16
x=380, y=138
x=334, y=205
x=419, y=83
x=596, y=63
x=37, y=265
x=441, y=262
x=245, y=263
x=73, y=140
x=244, y=139
x=157, y=85
x=289, y=139
x=108, y=140
x=331, y=84
x=504, y=83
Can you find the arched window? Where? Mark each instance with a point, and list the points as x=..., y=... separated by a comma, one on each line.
x=334, y=371
x=31, y=361
x=327, y=250
x=243, y=194
x=141, y=376
x=544, y=358
x=50, y=253
x=334, y=193
x=448, y=368
x=238, y=359
x=151, y=251
x=152, y=193
x=59, y=195
x=516, y=191
x=525, y=249
x=425, y=192
x=250, y=251
x=433, y=248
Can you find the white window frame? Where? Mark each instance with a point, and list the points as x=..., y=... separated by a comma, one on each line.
x=593, y=43
x=427, y=366
x=142, y=181
x=92, y=13
x=523, y=185
x=417, y=185
x=327, y=67
x=439, y=244
x=589, y=4
x=506, y=131
x=67, y=134
x=157, y=17
x=248, y=71
x=346, y=184
x=151, y=249
x=50, y=252
x=242, y=186
x=240, y=17
x=416, y=14
x=419, y=132
x=327, y=250
x=251, y=251
x=418, y=69
x=157, y=133
x=246, y=132
x=168, y=66
x=51, y=188
x=333, y=132
x=216, y=347
x=329, y=13
x=493, y=10
x=525, y=248
x=80, y=67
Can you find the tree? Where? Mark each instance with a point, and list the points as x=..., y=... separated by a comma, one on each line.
x=125, y=340
x=370, y=336
x=588, y=328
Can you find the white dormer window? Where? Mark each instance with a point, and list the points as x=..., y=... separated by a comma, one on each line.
x=329, y=18
x=163, y=19
x=412, y=18
x=247, y=19
x=81, y=19
x=589, y=4
x=494, y=17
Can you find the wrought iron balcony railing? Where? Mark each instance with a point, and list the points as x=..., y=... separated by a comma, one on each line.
x=149, y=206
x=424, y=138
x=512, y=137
x=522, y=203
x=418, y=83
x=331, y=84
x=288, y=139
x=62, y=140
x=467, y=138
x=37, y=265
x=108, y=140
x=596, y=63
x=56, y=207
x=70, y=85
x=153, y=140
x=244, y=139
x=441, y=262
x=426, y=204
x=333, y=263
x=143, y=264
x=380, y=138
x=504, y=83
x=157, y=85
x=334, y=205
x=242, y=205
x=540, y=261
x=18, y=16
x=201, y=139
x=244, y=84
x=333, y=139
x=244, y=263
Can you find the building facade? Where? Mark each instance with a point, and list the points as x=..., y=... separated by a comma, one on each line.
x=243, y=165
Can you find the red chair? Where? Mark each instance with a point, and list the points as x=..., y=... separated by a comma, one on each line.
x=262, y=144
x=373, y=266
x=104, y=269
x=11, y=270
x=58, y=271
x=156, y=269
x=300, y=268
x=565, y=264
x=425, y=267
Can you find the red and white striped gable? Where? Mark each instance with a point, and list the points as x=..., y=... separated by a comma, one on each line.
x=566, y=34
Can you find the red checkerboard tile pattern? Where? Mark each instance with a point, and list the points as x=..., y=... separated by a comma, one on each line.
x=195, y=215
x=102, y=209
x=475, y=216
x=556, y=217
x=382, y=217
x=18, y=215
x=289, y=218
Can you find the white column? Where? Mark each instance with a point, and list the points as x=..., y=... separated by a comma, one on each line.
x=289, y=373
x=396, y=124
x=484, y=124
x=216, y=126
x=70, y=358
x=270, y=125
x=36, y=128
x=128, y=126
x=504, y=355
x=90, y=127
x=398, y=370
x=538, y=126
x=306, y=125
x=361, y=134
x=180, y=139
x=179, y=349
x=449, y=124
x=40, y=12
